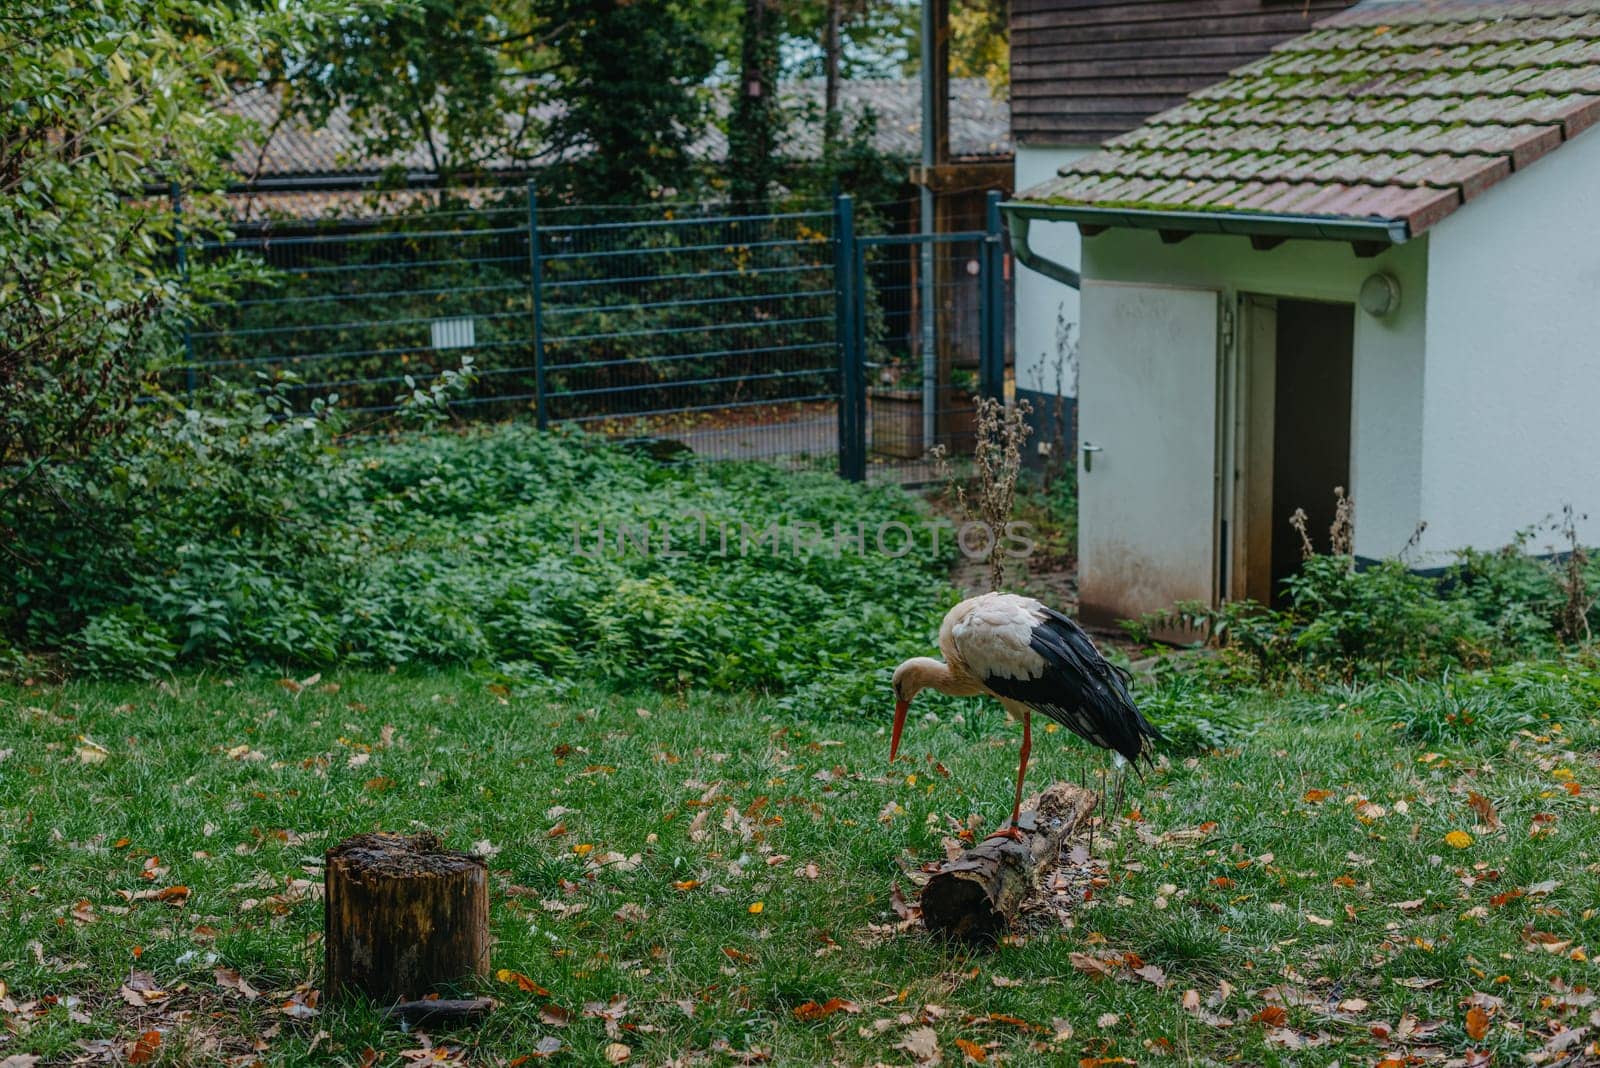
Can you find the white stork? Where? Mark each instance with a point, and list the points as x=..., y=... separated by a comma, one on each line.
x=1033, y=659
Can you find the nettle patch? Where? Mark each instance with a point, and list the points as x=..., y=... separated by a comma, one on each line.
x=536, y=555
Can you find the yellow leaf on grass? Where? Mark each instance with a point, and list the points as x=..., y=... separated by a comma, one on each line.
x=755, y=909
x=1458, y=839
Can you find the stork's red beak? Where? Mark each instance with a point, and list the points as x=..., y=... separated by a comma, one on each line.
x=899, y=725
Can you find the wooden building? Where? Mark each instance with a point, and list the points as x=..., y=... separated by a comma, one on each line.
x=1083, y=71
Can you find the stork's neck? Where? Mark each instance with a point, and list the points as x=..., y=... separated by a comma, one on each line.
x=926, y=673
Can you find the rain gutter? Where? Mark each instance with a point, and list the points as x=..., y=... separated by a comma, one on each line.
x=1020, y=213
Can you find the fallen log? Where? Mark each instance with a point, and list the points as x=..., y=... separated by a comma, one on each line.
x=403, y=917
x=976, y=897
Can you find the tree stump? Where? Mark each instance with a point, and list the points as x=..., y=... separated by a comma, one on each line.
x=403, y=916
x=976, y=896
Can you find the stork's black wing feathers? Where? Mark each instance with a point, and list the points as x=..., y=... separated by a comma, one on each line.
x=1080, y=690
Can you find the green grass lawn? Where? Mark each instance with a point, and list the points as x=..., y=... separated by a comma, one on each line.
x=681, y=876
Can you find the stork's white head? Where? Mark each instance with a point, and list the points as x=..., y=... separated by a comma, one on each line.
x=910, y=679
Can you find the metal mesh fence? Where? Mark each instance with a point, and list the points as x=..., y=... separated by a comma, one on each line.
x=717, y=330
x=681, y=321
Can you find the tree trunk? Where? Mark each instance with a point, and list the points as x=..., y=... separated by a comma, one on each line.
x=976, y=897
x=830, y=81
x=403, y=916
x=753, y=133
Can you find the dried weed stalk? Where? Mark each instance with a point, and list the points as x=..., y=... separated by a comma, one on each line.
x=1341, y=534
x=997, y=463
x=1297, y=519
x=1062, y=365
x=1573, y=622
x=1415, y=539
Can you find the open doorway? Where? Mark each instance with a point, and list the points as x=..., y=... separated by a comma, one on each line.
x=1296, y=431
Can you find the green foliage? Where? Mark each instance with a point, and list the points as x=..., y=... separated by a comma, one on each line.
x=630, y=87
x=756, y=121
x=1488, y=707
x=102, y=99
x=1383, y=619
x=980, y=45
x=245, y=538
x=604, y=97
x=1344, y=623
x=439, y=75
x=1193, y=714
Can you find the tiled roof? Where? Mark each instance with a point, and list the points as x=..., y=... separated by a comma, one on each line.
x=1395, y=112
x=980, y=126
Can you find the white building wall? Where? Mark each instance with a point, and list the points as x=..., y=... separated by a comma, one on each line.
x=1511, y=412
x=1039, y=300
x=1386, y=435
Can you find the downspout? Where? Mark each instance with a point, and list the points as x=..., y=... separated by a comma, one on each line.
x=925, y=226
x=1017, y=222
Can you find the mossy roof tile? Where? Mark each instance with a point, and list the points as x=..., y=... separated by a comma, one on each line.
x=1393, y=110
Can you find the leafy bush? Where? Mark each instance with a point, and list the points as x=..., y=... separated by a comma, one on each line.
x=1192, y=714
x=245, y=538
x=1344, y=623
x=100, y=100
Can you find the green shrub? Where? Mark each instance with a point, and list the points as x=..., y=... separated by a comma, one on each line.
x=1342, y=623
x=241, y=537
x=1193, y=715
x=1380, y=620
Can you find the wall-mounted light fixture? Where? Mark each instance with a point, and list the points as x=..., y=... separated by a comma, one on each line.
x=1380, y=295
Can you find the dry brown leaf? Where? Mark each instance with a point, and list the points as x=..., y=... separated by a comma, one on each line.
x=632, y=912
x=1484, y=808
x=812, y=1011
x=903, y=908
x=229, y=979
x=616, y=1053
x=145, y=1048
x=1272, y=1016
x=972, y=1051
x=1089, y=965
x=1287, y=1038
x=923, y=1045
x=1477, y=1023
x=522, y=982
x=1152, y=973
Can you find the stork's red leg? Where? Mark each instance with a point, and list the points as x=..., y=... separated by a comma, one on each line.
x=1013, y=831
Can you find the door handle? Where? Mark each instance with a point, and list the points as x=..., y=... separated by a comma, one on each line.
x=1088, y=449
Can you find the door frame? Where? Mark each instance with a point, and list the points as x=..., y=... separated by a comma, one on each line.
x=1252, y=361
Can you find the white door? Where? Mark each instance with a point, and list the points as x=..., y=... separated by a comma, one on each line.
x=1147, y=467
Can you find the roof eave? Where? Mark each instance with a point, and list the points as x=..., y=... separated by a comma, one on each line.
x=1248, y=223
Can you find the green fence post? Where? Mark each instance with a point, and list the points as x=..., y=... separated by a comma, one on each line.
x=849, y=322
x=536, y=285
x=992, y=350
x=182, y=247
